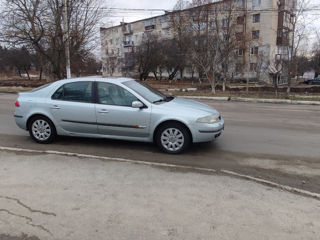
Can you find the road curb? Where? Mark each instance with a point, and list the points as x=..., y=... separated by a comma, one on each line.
x=255, y=100
x=114, y=159
x=152, y=164
x=273, y=184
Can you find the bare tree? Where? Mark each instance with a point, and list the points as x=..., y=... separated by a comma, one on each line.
x=181, y=4
x=215, y=41
x=316, y=55
x=179, y=45
x=38, y=26
x=298, y=36
x=147, y=55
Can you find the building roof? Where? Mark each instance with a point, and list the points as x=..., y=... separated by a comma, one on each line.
x=166, y=14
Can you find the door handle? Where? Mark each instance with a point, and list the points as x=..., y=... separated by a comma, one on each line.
x=55, y=107
x=103, y=111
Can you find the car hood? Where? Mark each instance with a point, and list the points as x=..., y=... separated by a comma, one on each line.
x=190, y=106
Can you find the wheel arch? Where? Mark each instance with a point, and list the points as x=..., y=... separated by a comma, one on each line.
x=168, y=122
x=39, y=115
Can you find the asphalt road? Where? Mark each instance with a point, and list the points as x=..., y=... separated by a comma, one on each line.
x=276, y=142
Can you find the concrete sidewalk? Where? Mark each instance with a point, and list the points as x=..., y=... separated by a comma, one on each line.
x=58, y=197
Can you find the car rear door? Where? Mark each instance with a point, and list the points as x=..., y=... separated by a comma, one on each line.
x=73, y=108
x=115, y=114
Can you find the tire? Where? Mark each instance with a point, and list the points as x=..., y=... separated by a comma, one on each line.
x=42, y=130
x=173, y=138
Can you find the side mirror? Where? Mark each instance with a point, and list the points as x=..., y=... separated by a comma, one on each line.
x=137, y=104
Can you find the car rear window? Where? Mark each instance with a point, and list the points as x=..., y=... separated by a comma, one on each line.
x=41, y=87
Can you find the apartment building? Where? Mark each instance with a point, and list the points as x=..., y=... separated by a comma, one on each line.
x=268, y=23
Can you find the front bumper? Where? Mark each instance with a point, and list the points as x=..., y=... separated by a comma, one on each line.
x=205, y=132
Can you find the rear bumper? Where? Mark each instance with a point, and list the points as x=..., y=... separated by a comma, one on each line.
x=20, y=121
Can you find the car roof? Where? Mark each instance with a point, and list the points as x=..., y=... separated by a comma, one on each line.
x=97, y=78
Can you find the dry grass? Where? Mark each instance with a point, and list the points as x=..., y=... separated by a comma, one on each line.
x=14, y=89
x=251, y=95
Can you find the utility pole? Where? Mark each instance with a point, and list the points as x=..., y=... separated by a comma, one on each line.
x=249, y=47
x=66, y=37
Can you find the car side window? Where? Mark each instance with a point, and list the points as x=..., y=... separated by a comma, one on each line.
x=111, y=94
x=74, y=92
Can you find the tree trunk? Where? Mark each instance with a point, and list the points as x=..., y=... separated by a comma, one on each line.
x=19, y=72
x=213, y=89
x=173, y=74
x=40, y=74
x=25, y=69
x=155, y=75
x=213, y=84
x=289, y=85
x=224, y=85
x=247, y=86
x=276, y=85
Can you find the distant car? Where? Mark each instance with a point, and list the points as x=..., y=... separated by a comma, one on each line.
x=115, y=108
x=313, y=81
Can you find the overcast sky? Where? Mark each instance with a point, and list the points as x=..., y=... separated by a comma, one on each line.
x=129, y=16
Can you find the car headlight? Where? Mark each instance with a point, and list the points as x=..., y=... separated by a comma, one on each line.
x=210, y=119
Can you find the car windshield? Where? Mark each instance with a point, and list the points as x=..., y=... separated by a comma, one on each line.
x=147, y=92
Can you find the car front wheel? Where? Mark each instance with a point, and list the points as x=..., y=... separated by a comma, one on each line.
x=42, y=130
x=173, y=138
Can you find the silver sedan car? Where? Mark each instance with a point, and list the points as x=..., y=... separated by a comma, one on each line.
x=115, y=108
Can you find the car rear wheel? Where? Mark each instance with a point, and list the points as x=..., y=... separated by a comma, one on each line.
x=42, y=130
x=173, y=138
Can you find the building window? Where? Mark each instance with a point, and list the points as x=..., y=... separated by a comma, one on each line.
x=163, y=19
x=256, y=34
x=189, y=70
x=149, y=22
x=239, y=67
x=240, y=52
x=213, y=26
x=256, y=18
x=256, y=3
x=254, y=50
x=240, y=20
x=253, y=66
x=239, y=3
x=225, y=22
x=239, y=36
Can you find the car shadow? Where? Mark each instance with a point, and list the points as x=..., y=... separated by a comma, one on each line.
x=126, y=146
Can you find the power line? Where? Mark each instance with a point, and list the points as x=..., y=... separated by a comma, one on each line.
x=137, y=9
x=191, y=9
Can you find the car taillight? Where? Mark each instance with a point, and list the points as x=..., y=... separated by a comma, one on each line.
x=17, y=104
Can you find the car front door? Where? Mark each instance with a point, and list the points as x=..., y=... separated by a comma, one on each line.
x=73, y=108
x=115, y=114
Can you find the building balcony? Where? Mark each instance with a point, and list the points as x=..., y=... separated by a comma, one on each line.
x=128, y=32
x=150, y=27
x=282, y=41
